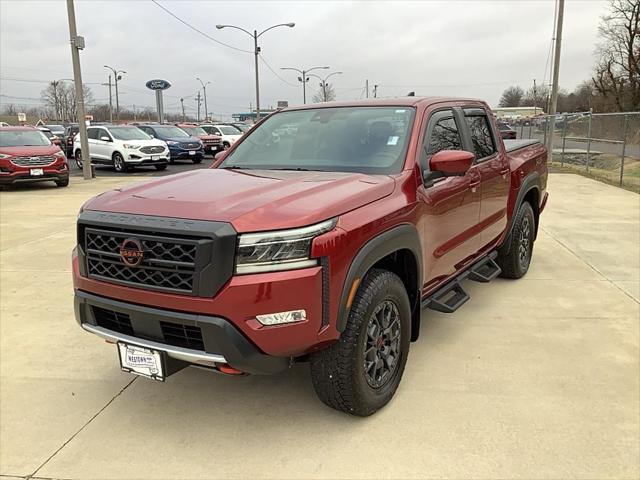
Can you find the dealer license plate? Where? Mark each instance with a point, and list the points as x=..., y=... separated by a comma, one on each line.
x=192, y=152
x=36, y=172
x=141, y=361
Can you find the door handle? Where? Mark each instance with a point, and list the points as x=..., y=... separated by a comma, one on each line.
x=473, y=186
x=505, y=171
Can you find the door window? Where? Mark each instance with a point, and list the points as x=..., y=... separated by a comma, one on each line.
x=92, y=133
x=481, y=135
x=442, y=134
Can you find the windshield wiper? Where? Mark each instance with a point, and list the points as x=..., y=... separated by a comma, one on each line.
x=232, y=167
x=297, y=169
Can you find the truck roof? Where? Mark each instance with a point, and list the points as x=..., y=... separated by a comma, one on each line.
x=384, y=102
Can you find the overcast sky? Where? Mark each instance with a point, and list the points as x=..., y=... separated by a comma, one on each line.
x=463, y=48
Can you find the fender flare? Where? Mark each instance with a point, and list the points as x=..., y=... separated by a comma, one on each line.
x=530, y=182
x=401, y=237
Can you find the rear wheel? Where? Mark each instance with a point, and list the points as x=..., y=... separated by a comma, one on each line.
x=78, y=157
x=62, y=183
x=360, y=373
x=515, y=264
x=118, y=163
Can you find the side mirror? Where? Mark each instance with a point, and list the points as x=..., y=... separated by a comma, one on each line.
x=220, y=155
x=451, y=162
x=105, y=139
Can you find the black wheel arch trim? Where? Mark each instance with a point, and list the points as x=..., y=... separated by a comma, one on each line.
x=531, y=182
x=401, y=237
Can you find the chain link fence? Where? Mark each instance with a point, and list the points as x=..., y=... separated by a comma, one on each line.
x=605, y=146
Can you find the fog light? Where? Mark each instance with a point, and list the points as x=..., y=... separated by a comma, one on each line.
x=282, y=317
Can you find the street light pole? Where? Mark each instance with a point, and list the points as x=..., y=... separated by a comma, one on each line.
x=110, y=102
x=206, y=108
x=304, y=79
x=77, y=44
x=256, y=51
x=323, y=83
x=117, y=76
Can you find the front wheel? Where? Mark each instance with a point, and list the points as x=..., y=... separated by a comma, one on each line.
x=515, y=264
x=361, y=372
x=197, y=160
x=78, y=158
x=118, y=163
x=160, y=168
x=226, y=145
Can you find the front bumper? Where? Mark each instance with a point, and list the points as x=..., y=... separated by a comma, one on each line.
x=223, y=343
x=137, y=159
x=180, y=154
x=24, y=176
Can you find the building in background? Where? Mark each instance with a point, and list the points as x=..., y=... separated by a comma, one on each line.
x=517, y=112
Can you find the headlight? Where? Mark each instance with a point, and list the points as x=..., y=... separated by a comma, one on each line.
x=169, y=142
x=278, y=250
x=59, y=155
x=131, y=146
x=3, y=156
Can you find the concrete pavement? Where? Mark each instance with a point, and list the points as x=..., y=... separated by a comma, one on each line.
x=536, y=378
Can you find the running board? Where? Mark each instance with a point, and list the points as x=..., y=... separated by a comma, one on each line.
x=485, y=270
x=452, y=296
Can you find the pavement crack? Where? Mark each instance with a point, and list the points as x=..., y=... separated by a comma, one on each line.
x=592, y=267
x=81, y=429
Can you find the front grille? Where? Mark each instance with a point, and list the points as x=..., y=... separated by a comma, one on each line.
x=33, y=161
x=190, y=145
x=152, y=149
x=212, y=141
x=114, y=321
x=168, y=263
x=185, y=336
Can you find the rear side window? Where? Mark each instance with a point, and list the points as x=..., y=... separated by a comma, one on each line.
x=481, y=136
x=92, y=133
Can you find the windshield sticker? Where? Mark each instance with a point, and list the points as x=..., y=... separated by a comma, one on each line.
x=400, y=111
x=393, y=140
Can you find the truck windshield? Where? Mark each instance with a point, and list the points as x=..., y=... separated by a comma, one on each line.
x=128, y=133
x=345, y=139
x=194, y=131
x=21, y=138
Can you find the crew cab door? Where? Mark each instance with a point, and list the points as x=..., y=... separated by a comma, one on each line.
x=493, y=165
x=450, y=207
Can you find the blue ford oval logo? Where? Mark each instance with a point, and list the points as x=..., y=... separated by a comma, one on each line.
x=158, y=84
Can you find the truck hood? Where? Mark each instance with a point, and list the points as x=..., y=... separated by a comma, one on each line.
x=30, y=150
x=252, y=200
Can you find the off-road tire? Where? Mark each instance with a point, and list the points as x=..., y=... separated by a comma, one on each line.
x=160, y=168
x=513, y=264
x=62, y=183
x=338, y=372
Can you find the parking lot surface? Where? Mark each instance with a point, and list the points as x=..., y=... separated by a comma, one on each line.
x=535, y=378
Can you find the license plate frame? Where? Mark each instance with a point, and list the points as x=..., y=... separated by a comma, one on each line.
x=36, y=172
x=142, y=361
x=192, y=152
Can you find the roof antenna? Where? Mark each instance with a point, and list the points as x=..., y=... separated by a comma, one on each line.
x=411, y=94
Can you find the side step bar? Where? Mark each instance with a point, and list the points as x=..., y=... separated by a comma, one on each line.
x=452, y=296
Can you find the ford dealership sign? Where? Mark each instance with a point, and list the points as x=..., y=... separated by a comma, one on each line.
x=158, y=84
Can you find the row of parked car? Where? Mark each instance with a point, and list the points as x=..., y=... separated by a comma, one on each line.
x=29, y=154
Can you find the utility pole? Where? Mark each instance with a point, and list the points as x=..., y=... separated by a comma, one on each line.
x=56, y=102
x=375, y=91
x=77, y=44
x=366, y=83
x=110, y=102
x=134, y=112
x=535, y=98
x=183, y=116
x=556, y=72
x=117, y=76
x=198, y=101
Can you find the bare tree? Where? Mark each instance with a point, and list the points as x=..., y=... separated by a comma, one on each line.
x=617, y=73
x=326, y=94
x=512, y=97
x=60, y=100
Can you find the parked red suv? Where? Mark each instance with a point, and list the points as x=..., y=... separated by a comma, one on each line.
x=210, y=143
x=324, y=245
x=27, y=155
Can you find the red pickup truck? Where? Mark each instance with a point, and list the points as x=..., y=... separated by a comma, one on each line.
x=324, y=245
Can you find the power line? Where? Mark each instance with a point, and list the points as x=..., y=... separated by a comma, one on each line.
x=198, y=30
x=276, y=73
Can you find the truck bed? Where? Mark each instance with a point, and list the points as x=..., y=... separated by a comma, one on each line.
x=513, y=145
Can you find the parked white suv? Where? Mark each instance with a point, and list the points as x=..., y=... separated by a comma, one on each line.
x=229, y=133
x=123, y=146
